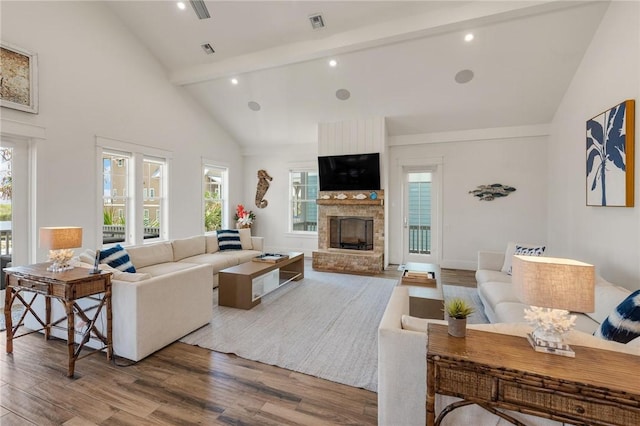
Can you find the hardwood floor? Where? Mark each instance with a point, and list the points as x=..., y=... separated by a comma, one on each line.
x=180, y=384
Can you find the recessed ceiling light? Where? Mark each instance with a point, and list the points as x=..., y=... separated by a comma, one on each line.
x=333, y=63
x=464, y=76
x=181, y=5
x=234, y=81
x=343, y=94
x=468, y=37
x=254, y=106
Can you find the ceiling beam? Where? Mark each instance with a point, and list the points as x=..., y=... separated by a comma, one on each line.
x=467, y=16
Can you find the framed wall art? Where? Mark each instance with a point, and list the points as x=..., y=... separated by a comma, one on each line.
x=610, y=156
x=18, y=78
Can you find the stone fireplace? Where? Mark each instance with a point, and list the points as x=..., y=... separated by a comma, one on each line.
x=350, y=232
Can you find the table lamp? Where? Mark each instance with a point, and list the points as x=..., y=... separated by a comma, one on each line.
x=553, y=287
x=60, y=240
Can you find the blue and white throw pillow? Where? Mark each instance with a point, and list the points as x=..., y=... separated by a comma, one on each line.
x=528, y=251
x=623, y=324
x=118, y=258
x=229, y=239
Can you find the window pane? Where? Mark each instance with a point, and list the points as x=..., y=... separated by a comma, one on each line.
x=153, y=194
x=304, y=191
x=213, y=185
x=115, y=180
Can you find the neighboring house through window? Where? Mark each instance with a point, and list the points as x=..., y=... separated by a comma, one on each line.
x=303, y=192
x=214, y=189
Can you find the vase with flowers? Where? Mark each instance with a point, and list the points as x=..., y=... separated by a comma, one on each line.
x=244, y=218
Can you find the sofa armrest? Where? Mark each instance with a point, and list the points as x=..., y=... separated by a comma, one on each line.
x=491, y=260
x=258, y=243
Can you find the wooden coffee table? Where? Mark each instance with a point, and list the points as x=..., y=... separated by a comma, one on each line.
x=426, y=299
x=243, y=286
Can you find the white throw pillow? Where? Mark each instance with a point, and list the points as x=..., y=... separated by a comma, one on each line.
x=511, y=250
x=245, y=239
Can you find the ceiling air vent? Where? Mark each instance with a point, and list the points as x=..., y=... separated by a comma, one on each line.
x=200, y=8
x=208, y=49
x=316, y=21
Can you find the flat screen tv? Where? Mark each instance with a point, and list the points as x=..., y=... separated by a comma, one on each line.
x=354, y=172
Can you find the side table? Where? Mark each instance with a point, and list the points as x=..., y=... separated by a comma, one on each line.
x=67, y=287
x=492, y=370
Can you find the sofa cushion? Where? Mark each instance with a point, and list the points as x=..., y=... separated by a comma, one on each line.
x=513, y=312
x=245, y=239
x=241, y=256
x=229, y=239
x=212, y=243
x=218, y=261
x=495, y=292
x=118, y=258
x=151, y=254
x=511, y=249
x=487, y=275
x=607, y=297
x=623, y=324
x=418, y=324
x=166, y=268
x=187, y=247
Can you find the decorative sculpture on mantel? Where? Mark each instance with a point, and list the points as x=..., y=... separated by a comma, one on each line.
x=261, y=189
x=489, y=192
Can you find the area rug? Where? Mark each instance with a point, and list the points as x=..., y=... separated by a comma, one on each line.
x=324, y=325
x=470, y=294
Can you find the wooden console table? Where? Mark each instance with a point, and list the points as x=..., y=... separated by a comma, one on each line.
x=597, y=387
x=67, y=287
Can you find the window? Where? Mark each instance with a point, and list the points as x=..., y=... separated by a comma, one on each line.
x=153, y=171
x=115, y=179
x=127, y=170
x=303, y=190
x=214, y=187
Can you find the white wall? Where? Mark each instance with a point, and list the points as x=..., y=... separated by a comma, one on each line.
x=468, y=224
x=272, y=222
x=608, y=237
x=97, y=79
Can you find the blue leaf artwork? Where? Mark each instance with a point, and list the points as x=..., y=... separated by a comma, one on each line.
x=609, y=157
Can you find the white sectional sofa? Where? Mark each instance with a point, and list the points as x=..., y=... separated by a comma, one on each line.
x=169, y=296
x=501, y=304
x=402, y=368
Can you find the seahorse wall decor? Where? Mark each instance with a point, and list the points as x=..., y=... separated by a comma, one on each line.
x=489, y=192
x=261, y=190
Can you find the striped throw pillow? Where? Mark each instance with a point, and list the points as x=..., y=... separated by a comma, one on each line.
x=623, y=324
x=527, y=251
x=118, y=258
x=229, y=239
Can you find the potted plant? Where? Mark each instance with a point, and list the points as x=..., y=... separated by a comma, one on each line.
x=457, y=312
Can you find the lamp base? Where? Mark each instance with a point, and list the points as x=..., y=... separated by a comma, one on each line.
x=550, y=347
x=59, y=267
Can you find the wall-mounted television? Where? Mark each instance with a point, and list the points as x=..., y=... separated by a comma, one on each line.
x=353, y=172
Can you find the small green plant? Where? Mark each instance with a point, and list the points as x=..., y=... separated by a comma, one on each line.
x=458, y=308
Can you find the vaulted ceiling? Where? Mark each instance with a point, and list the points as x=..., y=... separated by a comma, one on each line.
x=396, y=59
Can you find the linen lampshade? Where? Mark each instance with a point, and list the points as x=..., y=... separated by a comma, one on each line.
x=60, y=237
x=550, y=282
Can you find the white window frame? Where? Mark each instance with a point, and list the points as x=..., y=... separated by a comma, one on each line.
x=223, y=168
x=306, y=168
x=134, y=217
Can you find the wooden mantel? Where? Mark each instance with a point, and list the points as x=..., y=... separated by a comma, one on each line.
x=328, y=198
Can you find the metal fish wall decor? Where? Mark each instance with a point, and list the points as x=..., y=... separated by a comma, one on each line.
x=489, y=192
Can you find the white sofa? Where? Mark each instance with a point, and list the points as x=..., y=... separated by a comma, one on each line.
x=169, y=296
x=402, y=368
x=501, y=304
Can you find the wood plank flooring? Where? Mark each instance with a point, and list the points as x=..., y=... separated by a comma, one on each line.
x=180, y=384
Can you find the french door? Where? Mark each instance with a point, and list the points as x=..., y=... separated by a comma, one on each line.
x=420, y=218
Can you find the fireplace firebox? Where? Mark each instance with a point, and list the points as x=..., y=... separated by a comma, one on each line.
x=351, y=233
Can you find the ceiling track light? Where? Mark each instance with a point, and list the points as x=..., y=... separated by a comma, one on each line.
x=200, y=8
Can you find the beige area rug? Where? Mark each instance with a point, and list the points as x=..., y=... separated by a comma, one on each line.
x=325, y=325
